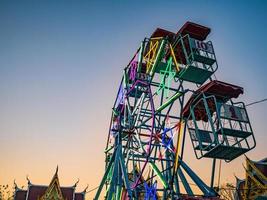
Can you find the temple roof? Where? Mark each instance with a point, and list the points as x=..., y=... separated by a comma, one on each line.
x=80, y=196
x=256, y=180
x=35, y=192
x=260, y=165
x=20, y=195
x=67, y=192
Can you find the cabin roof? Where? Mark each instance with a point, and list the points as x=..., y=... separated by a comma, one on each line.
x=221, y=90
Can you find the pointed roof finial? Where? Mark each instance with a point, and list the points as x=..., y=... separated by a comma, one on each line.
x=56, y=171
x=236, y=177
x=15, y=184
x=84, y=191
x=76, y=183
x=29, y=181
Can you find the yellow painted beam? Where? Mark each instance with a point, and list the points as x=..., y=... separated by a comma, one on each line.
x=180, y=130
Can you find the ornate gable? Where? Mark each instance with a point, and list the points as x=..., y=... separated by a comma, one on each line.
x=53, y=192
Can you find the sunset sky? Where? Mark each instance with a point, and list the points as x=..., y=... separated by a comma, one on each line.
x=61, y=63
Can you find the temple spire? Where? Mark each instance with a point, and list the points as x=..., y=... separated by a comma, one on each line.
x=76, y=183
x=56, y=171
x=15, y=185
x=84, y=191
x=29, y=181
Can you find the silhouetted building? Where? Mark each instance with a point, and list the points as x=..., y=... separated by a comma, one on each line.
x=254, y=186
x=51, y=192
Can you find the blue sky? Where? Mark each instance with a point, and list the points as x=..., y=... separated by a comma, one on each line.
x=61, y=63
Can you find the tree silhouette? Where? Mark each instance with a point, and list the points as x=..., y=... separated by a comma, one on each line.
x=6, y=192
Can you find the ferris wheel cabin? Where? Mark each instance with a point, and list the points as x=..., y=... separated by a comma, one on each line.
x=195, y=53
x=218, y=127
x=193, y=58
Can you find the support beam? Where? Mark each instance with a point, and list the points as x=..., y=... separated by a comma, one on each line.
x=213, y=173
x=111, y=163
x=171, y=100
x=156, y=170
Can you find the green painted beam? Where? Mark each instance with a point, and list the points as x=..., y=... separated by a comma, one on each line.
x=125, y=174
x=118, y=193
x=167, y=103
x=156, y=170
x=111, y=162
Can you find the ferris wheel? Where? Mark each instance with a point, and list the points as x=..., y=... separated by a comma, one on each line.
x=167, y=94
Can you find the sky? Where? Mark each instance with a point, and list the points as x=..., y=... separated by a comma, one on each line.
x=61, y=63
